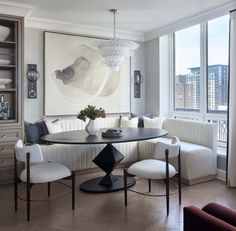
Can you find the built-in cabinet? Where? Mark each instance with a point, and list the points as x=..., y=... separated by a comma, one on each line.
x=11, y=92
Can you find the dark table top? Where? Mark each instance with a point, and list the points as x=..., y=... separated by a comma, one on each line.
x=82, y=137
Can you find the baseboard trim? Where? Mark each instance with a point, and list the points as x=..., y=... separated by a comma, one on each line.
x=221, y=174
x=199, y=180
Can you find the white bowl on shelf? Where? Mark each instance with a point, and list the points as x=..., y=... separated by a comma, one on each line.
x=5, y=61
x=4, y=82
x=4, y=32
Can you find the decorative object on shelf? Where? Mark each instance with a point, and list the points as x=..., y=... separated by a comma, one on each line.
x=138, y=79
x=4, y=109
x=92, y=113
x=76, y=76
x=4, y=82
x=33, y=76
x=4, y=62
x=4, y=32
x=112, y=133
x=114, y=51
x=5, y=59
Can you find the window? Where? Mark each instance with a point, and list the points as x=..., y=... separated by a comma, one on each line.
x=201, y=73
x=218, y=40
x=187, y=71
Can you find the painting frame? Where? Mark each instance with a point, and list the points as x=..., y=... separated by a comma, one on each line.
x=56, y=105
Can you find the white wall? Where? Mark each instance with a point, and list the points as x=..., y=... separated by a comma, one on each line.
x=34, y=55
x=164, y=78
x=138, y=63
x=152, y=76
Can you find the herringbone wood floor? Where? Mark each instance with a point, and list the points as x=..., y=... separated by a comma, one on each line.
x=107, y=211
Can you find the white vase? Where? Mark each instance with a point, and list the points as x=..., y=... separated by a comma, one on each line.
x=91, y=128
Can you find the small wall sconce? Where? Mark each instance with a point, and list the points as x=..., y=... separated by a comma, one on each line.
x=138, y=79
x=33, y=76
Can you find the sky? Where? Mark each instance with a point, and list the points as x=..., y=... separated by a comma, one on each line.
x=187, y=45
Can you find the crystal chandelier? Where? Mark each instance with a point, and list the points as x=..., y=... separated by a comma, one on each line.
x=114, y=51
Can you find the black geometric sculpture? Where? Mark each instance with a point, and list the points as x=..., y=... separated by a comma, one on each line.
x=107, y=160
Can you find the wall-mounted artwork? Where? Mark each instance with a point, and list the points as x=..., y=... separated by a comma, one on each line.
x=75, y=76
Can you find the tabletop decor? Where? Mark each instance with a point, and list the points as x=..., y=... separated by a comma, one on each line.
x=92, y=113
x=112, y=133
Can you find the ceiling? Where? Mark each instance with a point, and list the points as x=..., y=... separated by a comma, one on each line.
x=135, y=15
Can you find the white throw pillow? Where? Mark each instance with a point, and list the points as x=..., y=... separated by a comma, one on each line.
x=53, y=127
x=153, y=123
x=125, y=122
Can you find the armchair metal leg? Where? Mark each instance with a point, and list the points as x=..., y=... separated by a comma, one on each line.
x=73, y=189
x=28, y=186
x=167, y=182
x=179, y=185
x=49, y=189
x=167, y=195
x=125, y=186
x=28, y=201
x=15, y=184
x=149, y=185
x=179, y=178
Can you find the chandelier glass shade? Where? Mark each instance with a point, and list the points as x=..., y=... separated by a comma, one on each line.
x=114, y=51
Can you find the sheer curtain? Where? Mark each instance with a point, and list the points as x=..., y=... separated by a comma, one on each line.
x=232, y=103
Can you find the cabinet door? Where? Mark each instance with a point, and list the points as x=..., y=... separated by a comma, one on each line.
x=11, y=135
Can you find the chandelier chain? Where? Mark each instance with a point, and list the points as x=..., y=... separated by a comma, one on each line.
x=114, y=12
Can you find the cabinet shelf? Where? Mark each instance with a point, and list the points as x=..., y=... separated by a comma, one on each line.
x=7, y=44
x=7, y=54
x=7, y=89
x=2, y=121
x=7, y=67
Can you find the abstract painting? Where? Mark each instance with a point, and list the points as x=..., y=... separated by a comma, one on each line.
x=76, y=76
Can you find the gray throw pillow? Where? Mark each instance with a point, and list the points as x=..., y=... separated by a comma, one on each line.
x=140, y=118
x=34, y=132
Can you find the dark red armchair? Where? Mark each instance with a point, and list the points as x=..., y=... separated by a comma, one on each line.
x=213, y=217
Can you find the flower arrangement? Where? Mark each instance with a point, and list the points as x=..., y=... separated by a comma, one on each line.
x=91, y=112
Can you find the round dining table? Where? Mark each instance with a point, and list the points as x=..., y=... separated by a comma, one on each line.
x=109, y=157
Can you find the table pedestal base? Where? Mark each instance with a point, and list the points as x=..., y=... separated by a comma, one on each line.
x=107, y=160
x=94, y=186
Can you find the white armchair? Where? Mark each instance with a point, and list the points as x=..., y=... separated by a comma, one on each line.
x=157, y=169
x=38, y=171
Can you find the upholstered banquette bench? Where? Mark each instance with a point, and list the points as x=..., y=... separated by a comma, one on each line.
x=198, y=145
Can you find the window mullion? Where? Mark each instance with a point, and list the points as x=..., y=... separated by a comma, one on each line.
x=171, y=69
x=203, y=72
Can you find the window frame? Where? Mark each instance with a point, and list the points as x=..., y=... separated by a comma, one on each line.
x=173, y=74
x=203, y=114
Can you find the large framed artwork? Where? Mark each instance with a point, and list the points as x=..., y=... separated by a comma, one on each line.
x=75, y=76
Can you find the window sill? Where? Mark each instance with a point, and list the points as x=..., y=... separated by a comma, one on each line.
x=221, y=151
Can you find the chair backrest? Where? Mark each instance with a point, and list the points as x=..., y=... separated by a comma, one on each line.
x=161, y=147
x=36, y=155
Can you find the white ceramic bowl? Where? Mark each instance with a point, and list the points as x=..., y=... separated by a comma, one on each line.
x=4, y=32
x=4, y=62
x=4, y=82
